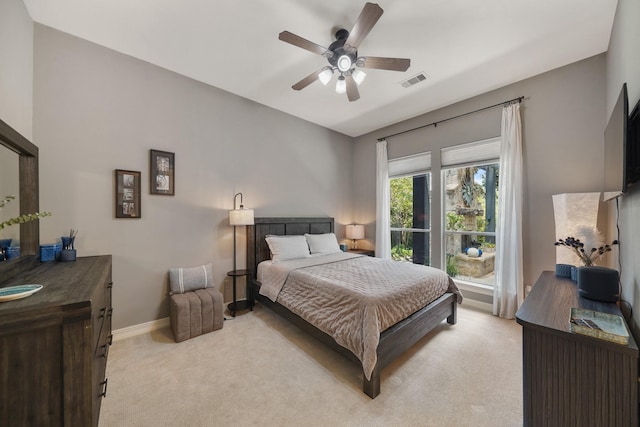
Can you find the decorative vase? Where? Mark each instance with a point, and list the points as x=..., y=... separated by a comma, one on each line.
x=598, y=283
x=564, y=270
x=12, y=252
x=67, y=255
x=574, y=273
x=68, y=251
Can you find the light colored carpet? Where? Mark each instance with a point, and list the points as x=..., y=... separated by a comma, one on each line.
x=260, y=370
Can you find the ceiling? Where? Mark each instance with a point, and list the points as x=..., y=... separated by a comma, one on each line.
x=465, y=47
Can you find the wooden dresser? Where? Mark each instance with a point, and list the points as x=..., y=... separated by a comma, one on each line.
x=54, y=345
x=571, y=379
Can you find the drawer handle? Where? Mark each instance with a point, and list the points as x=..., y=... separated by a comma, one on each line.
x=104, y=388
x=110, y=285
x=110, y=312
x=104, y=350
x=111, y=339
x=103, y=310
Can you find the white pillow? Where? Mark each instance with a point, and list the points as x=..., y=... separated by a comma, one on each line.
x=323, y=243
x=287, y=247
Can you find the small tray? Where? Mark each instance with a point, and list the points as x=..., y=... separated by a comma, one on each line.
x=16, y=292
x=604, y=326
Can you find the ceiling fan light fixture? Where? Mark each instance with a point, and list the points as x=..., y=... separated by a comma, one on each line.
x=358, y=76
x=341, y=85
x=344, y=63
x=342, y=55
x=325, y=76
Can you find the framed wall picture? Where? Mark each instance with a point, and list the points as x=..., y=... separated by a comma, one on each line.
x=127, y=194
x=162, y=172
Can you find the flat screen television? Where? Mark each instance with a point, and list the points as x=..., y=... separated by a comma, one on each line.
x=633, y=146
x=615, y=148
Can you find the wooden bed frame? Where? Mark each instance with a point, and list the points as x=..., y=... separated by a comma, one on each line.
x=393, y=342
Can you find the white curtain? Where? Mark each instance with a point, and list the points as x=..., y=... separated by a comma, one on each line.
x=383, y=232
x=509, y=289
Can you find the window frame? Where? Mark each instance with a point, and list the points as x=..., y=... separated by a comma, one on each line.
x=412, y=174
x=443, y=228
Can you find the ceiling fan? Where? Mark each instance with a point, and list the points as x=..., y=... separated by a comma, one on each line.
x=343, y=57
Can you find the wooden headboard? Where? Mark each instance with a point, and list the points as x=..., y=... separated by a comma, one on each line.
x=257, y=249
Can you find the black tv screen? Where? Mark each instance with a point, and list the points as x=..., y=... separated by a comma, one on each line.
x=615, y=146
x=633, y=146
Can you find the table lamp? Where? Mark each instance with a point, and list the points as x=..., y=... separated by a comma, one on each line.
x=355, y=232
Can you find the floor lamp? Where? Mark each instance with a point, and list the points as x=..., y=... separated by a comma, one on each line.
x=243, y=217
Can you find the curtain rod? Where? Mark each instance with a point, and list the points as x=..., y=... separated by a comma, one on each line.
x=435, y=124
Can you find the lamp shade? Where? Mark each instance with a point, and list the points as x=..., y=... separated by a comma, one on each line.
x=241, y=217
x=341, y=85
x=355, y=231
x=576, y=215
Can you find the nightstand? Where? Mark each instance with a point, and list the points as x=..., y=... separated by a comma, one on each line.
x=239, y=305
x=367, y=252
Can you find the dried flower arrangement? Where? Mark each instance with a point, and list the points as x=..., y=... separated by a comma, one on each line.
x=588, y=257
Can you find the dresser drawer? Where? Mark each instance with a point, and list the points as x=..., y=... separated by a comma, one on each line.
x=63, y=382
x=100, y=386
x=99, y=311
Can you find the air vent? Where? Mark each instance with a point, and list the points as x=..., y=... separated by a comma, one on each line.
x=414, y=80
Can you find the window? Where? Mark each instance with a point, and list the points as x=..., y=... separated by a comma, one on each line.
x=410, y=208
x=464, y=230
x=470, y=179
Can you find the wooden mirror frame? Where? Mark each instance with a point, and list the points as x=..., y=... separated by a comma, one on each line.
x=29, y=200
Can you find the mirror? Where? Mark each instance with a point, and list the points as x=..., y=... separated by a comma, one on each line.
x=9, y=186
x=26, y=198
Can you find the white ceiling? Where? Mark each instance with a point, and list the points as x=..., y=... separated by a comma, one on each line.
x=466, y=47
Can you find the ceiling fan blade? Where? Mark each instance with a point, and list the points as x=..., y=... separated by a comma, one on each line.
x=393, y=64
x=307, y=80
x=352, y=89
x=365, y=22
x=298, y=41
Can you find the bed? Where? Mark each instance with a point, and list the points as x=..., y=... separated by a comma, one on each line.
x=392, y=341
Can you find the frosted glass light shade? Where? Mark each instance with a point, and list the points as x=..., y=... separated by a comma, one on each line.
x=355, y=231
x=358, y=76
x=325, y=76
x=341, y=85
x=241, y=217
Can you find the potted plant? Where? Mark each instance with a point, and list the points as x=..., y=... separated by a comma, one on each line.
x=488, y=247
x=598, y=283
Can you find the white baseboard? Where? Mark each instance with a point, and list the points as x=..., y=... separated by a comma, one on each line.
x=468, y=302
x=142, y=328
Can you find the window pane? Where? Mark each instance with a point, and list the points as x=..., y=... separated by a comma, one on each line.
x=411, y=246
x=470, y=206
x=401, y=202
x=410, y=211
x=410, y=202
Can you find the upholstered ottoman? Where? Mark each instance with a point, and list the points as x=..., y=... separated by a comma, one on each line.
x=195, y=313
x=195, y=306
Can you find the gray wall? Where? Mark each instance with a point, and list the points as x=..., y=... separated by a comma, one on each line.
x=563, y=122
x=96, y=110
x=623, y=65
x=16, y=67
